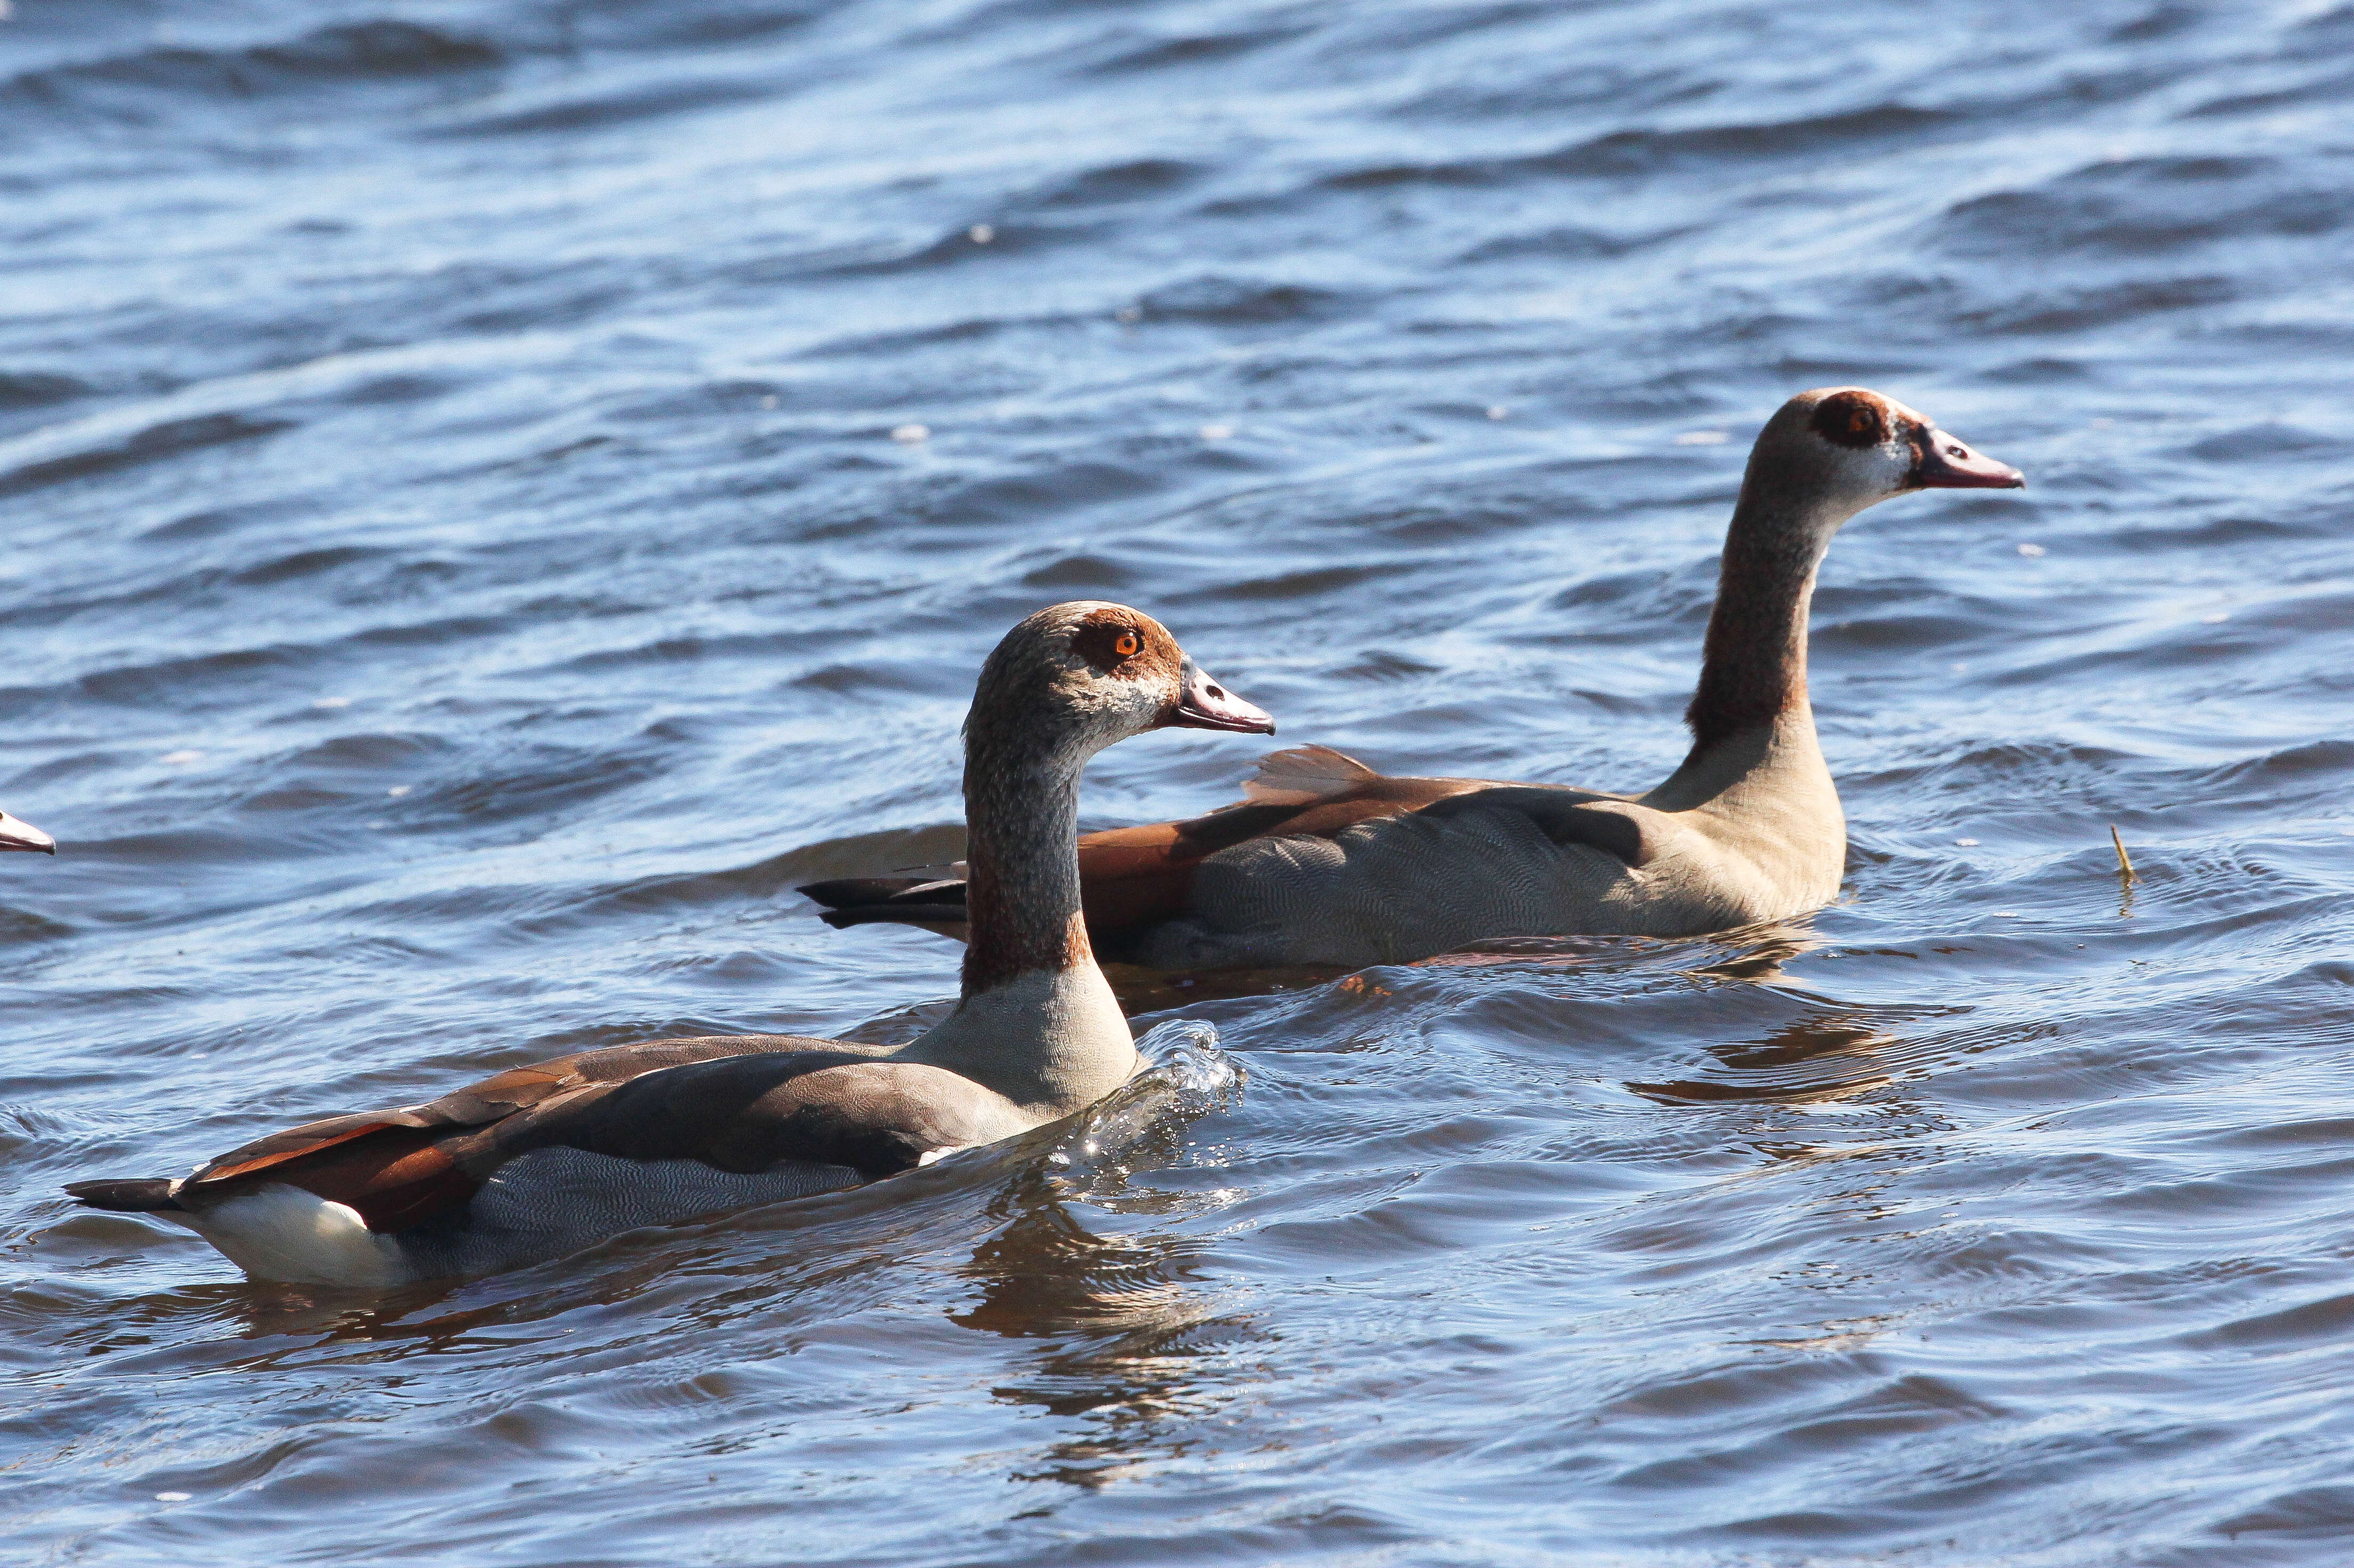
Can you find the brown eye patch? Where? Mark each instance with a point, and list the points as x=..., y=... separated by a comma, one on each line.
x=1127, y=643
x=1107, y=643
x=1851, y=420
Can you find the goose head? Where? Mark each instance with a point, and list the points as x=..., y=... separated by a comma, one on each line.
x=1073, y=678
x=16, y=834
x=1828, y=453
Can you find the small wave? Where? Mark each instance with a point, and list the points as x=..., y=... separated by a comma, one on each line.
x=351, y=52
x=544, y=780
x=1089, y=575
x=628, y=106
x=1204, y=49
x=37, y=389
x=20, y=928
x=2326, y=759
x=375, y=49
x=2273, y=438
x=2329, y=90
x=2316, y=1513
x=2146, y=206
x=1621, y=153
x=167, y=439
x=1568, y=243
x=1216, y=298
x=1114, y=183
x=2073, y=309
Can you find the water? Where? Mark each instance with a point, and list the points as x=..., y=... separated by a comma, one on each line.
x=460, y=575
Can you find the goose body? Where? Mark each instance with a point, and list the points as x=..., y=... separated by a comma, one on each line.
x=542, y=1159
x=1327, y=862
x=1484, y=858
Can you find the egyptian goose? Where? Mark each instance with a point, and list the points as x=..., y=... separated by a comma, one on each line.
x=1327, y=862
x=16, y=834
x=539, y=1160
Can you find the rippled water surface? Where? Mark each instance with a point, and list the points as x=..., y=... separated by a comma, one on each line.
x=460, y=573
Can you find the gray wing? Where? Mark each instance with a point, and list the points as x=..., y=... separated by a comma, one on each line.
x=745, y=1114
x=738, y=1104
x=1505, y=861
x=1563, y=816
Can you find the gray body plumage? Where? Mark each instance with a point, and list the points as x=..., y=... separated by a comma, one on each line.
x=1751, y=831
x=556, y=1201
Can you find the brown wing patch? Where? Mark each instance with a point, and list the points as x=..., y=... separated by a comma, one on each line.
x=294, y=1143
x=1130, y=878
x=500, y=1095
x=395, y=1180
x=399, y=1166
x=394, y=1175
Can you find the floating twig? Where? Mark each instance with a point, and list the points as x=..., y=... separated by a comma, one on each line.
x=2125, y=861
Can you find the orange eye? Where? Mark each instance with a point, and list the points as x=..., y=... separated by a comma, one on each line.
x=1127, y=645
x=1859, y=423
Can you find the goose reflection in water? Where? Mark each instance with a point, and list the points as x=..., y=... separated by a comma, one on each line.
x=1126, y=1325
x=1831, y=1057
x=1830, y=1051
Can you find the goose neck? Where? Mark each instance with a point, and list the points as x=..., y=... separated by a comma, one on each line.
x=1035, y=1021
x=1753, y=664
x=1022, y=883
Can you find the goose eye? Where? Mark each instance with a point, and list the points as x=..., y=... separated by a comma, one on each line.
x=1128, y=644
x=1851, y=419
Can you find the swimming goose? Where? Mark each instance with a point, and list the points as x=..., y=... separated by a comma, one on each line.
x=16, y=834
x=543, y=1160
x=1327, y=862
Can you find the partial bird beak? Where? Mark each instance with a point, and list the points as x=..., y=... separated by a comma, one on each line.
x=1205, y=704
x=1945, y=463
x=16, y=834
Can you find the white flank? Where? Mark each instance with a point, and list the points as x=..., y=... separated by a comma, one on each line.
x=284, y=1233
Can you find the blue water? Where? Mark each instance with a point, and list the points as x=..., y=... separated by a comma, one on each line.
x=460, y=573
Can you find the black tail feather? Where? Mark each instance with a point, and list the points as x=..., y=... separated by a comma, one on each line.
x=896, y=915
x=865, y=892
x=890, y=900
x=147, y=1196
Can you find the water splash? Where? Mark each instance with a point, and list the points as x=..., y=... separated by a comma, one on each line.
x=1188, y=1078
x=1185, y=1055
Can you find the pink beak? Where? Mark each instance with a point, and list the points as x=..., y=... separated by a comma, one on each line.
x=1945, y=463
x=1205, y=704
x=16, y=834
